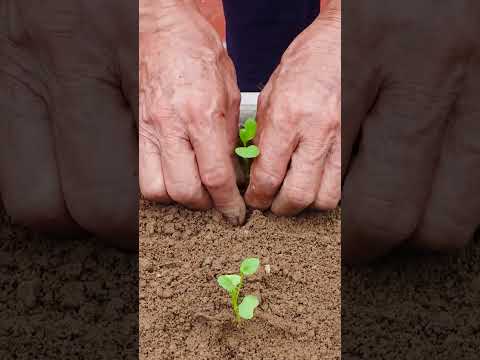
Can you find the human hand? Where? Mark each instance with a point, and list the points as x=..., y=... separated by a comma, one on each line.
x=412, y=85
x=189, y=108
x=68, y=99
x=299, y=124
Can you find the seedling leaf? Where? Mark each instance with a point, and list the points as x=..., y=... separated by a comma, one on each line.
x=229, y=282
x=249, y=152
x=244, y=136
x=233, y=283
x=248, y=131
x=248, y=305
x=249, y=266
x=250, y=125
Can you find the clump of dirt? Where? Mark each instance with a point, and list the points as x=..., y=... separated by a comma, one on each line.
x=65, y=298
x=185, y=315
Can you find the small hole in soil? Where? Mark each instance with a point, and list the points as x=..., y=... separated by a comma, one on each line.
x=248, y=214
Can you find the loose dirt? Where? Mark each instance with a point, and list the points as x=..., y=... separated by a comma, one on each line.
x=413, y=307
x=65, y=299
x=185, y=315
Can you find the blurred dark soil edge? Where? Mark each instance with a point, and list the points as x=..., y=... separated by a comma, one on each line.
x=413, y=307
x=65, y=299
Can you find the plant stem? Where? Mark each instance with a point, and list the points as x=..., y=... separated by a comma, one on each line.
x=235, y=296
x=235, y=309
x=246, y=169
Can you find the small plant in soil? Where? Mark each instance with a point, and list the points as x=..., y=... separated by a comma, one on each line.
x=233, y=283
x=248, y=151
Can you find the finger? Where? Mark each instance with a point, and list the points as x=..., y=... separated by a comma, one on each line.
x=97, y=151
x=214, y=142
x=452, y=213
x=277, y=142
x=96, y=146
x=302, y=182
x=151, y=180
x=217, y=171
x=152, y=183
x=233, y=117
x=233, y=121
x=118, y=33
x=29, y=179
x=388, y=184
x=233, y=102
x=26, y=141
x=181, y=174
x=362, y=88
x=328, y=195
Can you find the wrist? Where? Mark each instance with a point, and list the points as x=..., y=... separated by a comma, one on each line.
x=322, y=37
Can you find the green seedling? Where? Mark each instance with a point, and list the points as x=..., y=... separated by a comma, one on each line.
x=233, y=284
x=248, y=151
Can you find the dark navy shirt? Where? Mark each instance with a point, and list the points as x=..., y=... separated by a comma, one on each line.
x=258, y=33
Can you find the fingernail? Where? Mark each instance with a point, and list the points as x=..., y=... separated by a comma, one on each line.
x=237, y=215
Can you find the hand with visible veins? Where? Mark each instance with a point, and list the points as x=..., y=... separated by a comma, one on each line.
x=69, y=104
x=299, y=121
x=189, y=109
x=411, y=129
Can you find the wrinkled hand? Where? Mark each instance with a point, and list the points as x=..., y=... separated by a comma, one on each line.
x=299, y=115
x=68, y=100
x=412, y=85
x=189, y=108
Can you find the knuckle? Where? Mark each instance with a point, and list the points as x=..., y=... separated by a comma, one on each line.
x=382, y=222
x=331, y=124
x=185, y=193
x=43, y=215
x=265, y=181
x=155, y=192
x=298, y=197
x=216, y=177
x=105, y=214
x=373, y=228
x=327, y=200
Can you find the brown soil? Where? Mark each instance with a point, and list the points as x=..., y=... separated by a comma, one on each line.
x=185, y=315
x=413, y=307
x=65, y=299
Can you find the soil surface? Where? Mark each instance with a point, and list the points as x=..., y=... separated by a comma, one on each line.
x=413, y=307
x=65, y=299
x=185, y=315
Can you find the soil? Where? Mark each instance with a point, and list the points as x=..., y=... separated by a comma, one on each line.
x=185, y=315
x=65, y=299
x=413, y=307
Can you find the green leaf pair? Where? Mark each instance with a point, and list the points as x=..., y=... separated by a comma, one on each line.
x=247, y=133
x=233, y=284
